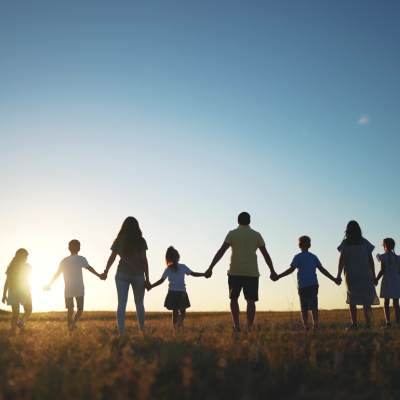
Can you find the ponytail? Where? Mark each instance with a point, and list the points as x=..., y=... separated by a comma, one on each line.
x=171, y=258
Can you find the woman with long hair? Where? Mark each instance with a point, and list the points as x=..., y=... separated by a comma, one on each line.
x=133, y=269
x=359, y=271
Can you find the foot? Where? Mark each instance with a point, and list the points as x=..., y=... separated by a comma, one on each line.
x=236, y=329
x=388, y=325
x=315, y=329
x=367, y=328
x=72, y=327
x=21, y=324
x=352, y=327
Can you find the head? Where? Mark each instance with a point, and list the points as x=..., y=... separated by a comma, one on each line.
x=74, y=246
x=353, y=234
x=131, y=236
x=244, y=218
x=388, y=245
x=304, y=243
x=172, y=258
x=20, y=257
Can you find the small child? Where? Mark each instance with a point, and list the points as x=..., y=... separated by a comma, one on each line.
x=390, y=286
x=177, y=299
x=307, y=282
x=71, y=267
x=19, y=290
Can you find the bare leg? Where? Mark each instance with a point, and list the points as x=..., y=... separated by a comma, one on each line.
x=175, y=314
x=235, y=312
x=368, y=315
x=386, y=308
x=77, y=315
x=353, y=314
x=304, y=316
x=396, y=310
x=70, y=314
x=27, y=312
x=182, y=316
x=251, y=313
x=14, y=317
x=315, y=317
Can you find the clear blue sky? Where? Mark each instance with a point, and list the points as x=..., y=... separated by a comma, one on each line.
x=184, y=114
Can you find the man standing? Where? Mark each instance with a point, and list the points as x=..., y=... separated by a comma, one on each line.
x=243, y=269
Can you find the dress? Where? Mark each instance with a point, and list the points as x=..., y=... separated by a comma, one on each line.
x=390, y=287
x=359, y=282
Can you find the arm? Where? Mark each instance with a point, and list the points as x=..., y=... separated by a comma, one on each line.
x=158, y=283
x=342, y=262
x=323, y=271
x=382, y=271
x=197, y=274
x=91, y=269
x=56, y=275
x=372, y=267
x=217, y=257
x=145, y=268
x=110, y=262
x=5, y=291
x=268, y=260
x=286, y=273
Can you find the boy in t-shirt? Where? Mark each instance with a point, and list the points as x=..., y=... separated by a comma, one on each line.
x=71, y=267
x=307, y=282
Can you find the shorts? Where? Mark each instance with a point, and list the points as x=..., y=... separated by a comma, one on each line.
x=248, y=283
x=19, y=297
x=177, y=301
x=69, y=302
x=308, y=297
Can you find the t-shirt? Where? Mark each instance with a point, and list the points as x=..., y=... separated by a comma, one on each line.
x=244, y=242
x=18, y=277
x=307, y=264
x=131, y=265
x=71, y=267
x=177, y=279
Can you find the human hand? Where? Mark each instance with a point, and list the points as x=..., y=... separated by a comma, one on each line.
x=208, y=273
x=103, y=276
x=274, y=276
x=376, y=281
x=4, y=299
x=147, y=285
x=46, y=287
x=338, y=281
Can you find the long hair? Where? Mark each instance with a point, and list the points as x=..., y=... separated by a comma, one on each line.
x=390, y=245
x=19, y=258
x=353, y=234
x=171, y=258
x=131, y=237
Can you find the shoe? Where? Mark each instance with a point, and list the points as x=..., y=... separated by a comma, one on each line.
x=352, y=327
x=388, y=325
x=236, y=329
x=21, y=324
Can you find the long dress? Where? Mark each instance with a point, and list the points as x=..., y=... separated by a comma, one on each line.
x=359, y=282
x=390, y=287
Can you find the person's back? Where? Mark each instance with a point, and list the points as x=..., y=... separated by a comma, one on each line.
x=306, y=264
x=71, y=268
x=176, y=279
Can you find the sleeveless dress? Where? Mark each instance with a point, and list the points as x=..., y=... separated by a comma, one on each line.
x=390, y=287
x=359, y=282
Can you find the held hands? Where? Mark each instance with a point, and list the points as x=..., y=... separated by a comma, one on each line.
x=103, y=276
x=46, y=287
x=208, y=273
x=148, y=286
x=338, y=280
x=274, y=276
x=376, y=281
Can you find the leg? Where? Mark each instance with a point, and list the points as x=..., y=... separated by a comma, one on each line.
x=251, y=312
x=175, y=314
x=396, y=310
x=14, y=317
x=138, y=294
x=70, y=314
x=368, y=316
x=182, y=315
x=353, y=314
x=235, y=312
x=78, y=315
x=27, y=312
x=315, y=317
x=304, y=316
x=386, y=308
x=122, y=291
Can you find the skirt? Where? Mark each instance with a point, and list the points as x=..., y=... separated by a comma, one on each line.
x=177, y=301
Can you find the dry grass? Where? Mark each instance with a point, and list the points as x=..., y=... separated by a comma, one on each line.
x=206, y=361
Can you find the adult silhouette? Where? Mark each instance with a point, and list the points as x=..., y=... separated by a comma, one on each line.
x=133, y=269
x=243, y=269
x=359, y=272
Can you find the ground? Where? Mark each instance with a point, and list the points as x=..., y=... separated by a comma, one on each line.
x=205, y=361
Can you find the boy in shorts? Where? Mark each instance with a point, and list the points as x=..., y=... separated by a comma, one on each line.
x=71, y=267
x=307, y=282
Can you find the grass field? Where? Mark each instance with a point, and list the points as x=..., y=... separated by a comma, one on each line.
x=206, y=361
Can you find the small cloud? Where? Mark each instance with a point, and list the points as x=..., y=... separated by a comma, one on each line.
x=364, y=120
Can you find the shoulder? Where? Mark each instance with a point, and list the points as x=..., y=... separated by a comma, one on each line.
x=342, y=245
x=28, y=266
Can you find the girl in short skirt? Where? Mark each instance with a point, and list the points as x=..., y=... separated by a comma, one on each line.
x=390, y=287
x=177, y=299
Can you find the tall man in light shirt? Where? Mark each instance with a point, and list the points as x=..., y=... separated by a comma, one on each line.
x=243, y=269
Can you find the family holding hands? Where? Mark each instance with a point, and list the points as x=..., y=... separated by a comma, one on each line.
x=243, y=274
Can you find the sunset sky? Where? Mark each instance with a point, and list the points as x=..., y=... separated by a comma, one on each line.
x=184, y=114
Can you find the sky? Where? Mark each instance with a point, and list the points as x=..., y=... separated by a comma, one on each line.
x=184, y=114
